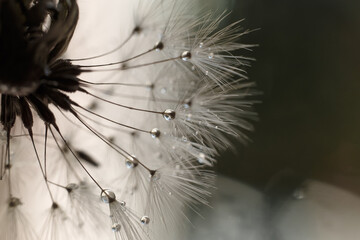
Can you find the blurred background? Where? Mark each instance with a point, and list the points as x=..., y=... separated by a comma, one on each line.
x=308, y=68
x=307, y=142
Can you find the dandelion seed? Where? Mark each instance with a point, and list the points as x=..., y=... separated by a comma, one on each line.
x=122, y=218
x=84, y=209
x=179, y=186
x=14, y=225
x=57, y=225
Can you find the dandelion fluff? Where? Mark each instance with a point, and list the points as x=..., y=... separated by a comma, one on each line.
x=14, y=224
x=134, y=96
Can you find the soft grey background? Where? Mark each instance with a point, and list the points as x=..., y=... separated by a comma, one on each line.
x=308, y=68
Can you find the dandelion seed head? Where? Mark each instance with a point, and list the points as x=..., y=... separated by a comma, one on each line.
x=76, y=118
x=14, y=223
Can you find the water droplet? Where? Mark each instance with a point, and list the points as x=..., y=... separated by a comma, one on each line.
x=201, y=45
x=116, y=227
x=184, y=139
x=187, y=103
x=169, y=114
x=123, y=203
x=201, y=158
x=163, y=90
x=186, y=56
x=145, y=220
x=155, y=133
x=193, y=68
x=206, y=73
x=211, y=55
x=299, y=194
x=217, y=127
x=108, y=196
x=131, y=162
x=188, y=117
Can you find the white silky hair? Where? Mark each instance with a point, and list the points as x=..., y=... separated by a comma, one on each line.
x=196, y=88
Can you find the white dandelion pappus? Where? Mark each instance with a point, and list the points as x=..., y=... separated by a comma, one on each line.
x=205, y=49
x=173, y=189
x=125, y=224
x=84, y=206
x=57, y=225
x=14, y=225
x=214, y=112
